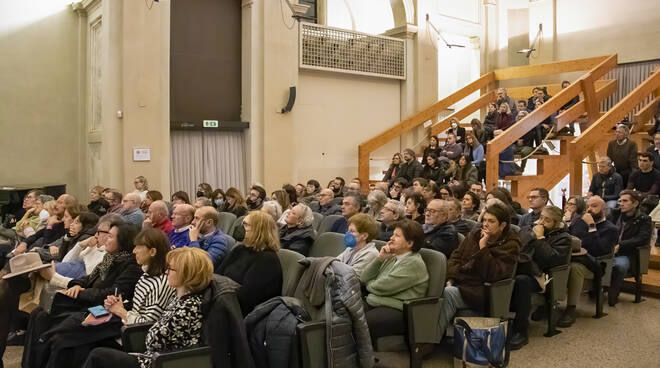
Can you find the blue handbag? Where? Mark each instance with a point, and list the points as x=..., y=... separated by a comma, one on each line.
x=480, y=342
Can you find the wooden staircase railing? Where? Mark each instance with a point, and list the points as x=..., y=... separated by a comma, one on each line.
x=586, y=85
x=549, y=167
x=579, y=147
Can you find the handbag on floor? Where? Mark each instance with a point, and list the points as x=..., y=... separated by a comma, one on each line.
x=480, y=342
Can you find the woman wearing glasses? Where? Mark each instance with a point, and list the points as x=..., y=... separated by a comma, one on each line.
x=254, y=263
x=189, y=272
x=69, y=344
x=574, y=209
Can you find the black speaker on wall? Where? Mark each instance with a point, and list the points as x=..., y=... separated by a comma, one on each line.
x=292, y=100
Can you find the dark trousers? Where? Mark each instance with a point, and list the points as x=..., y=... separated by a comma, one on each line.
x=385, y=321
x=521, y=301
x=110, y=358
x=10, y=291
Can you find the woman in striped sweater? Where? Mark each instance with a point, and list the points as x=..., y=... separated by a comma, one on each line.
x=69, y=344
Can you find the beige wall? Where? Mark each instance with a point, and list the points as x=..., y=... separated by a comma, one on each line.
x=585, y=28
x=39, y=128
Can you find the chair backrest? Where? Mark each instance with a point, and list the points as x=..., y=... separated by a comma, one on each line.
x=225, y=221
x=337, y=201
x=327, y=245
x=291, y=270
x=327, y=223
x=236, y=224
x=436, y=265
x=461, y=238
x=379, y=243
x=473, y=224
x=231, y=242
x=318, y=218
x=515, y=228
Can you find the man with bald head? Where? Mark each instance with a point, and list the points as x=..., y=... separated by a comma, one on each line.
x=130, y=210
x=324, y=204
x=598, y=236
x=206, y=236
x=439, y=234
x=182, y=217
x=158, y=217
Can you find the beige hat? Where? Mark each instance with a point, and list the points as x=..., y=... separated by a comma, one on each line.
x=24, y=263
x=576, y=247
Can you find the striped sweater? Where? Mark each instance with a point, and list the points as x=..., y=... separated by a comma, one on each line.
x=151, y=298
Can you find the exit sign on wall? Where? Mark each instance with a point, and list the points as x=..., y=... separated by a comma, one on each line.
x=210, y=123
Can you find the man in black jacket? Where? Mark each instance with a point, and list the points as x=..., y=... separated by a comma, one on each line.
x=439, y=234
x=538, y=200
x=324, y=205
x=598, y=236
x=634, y=229
x=546, y=245
x=410, y=168
x=606, y=183
x=454, y=212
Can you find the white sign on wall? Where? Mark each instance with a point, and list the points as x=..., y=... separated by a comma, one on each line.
x=141, y=154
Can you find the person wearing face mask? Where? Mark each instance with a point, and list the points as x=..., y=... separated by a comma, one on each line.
x=298, y=234
x=598, y=236
x=546, y=245
x=360, y=250
x=204, y=234
x=256, y=198
x=204, y=190
x=457, y=130
x=218, y=197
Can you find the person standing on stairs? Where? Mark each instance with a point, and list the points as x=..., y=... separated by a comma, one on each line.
x=623, y=153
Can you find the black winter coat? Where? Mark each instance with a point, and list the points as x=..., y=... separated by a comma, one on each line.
x=443, y=238
x=542, y=254
x=297, y=239
x=607, y=186
x=636, y=232
x=258, y=273
x=410, y=170
x=99, y=207
x=122, y=276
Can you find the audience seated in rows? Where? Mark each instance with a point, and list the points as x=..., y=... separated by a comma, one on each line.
x=324, y=205
x=204, y=234
x=606, y=183
x=130, y=210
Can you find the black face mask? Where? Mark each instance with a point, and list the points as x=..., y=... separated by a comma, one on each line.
x=200, y=194
x=255, y=203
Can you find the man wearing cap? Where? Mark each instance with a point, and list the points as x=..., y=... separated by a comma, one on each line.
x=598, y=237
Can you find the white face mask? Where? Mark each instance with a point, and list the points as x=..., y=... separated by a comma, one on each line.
x=454, y=125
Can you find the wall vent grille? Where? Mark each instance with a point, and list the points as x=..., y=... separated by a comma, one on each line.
x=339, y=50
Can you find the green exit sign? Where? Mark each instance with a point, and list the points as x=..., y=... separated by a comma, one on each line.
x=210, y=124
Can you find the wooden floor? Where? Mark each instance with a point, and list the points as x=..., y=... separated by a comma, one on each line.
x=650, y=282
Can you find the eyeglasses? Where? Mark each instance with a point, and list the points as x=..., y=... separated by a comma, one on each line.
x=530, y=198
x=571, y=203
x=431, y=211
x=102, y=232
x=168, y=269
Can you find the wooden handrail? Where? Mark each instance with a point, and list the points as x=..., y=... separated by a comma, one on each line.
x=646, y=113
x=464, y=112
x=556, y=67
x=593, y=135
x=604, y=88
x=366, y=148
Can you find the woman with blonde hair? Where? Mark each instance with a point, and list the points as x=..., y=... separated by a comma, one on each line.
x=141, y=186
x=189, y=272
x=254, y=263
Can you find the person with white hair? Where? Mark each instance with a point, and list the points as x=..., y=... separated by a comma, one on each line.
x=130, y=210
x=606, y=183
x=298, y=234
x=392, y=212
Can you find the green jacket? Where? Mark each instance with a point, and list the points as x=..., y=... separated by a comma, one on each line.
x=390, y=283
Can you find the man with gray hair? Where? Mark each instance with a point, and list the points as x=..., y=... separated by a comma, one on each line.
x=324, y=205
x=130, y=210
x=439, y=234
x=158, y=217
x=392, y=212
x=623, y=152
x=298, y=234
x=606, y=183
x=350, y=205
